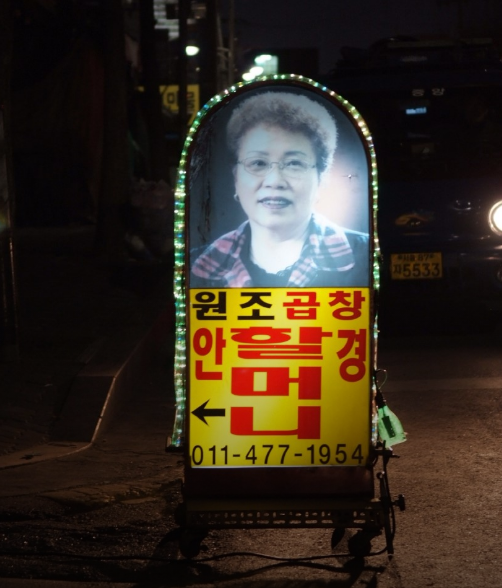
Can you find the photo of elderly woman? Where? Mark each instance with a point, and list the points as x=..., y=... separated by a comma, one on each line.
x=281, y=145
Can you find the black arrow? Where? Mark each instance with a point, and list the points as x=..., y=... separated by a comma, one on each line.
x=202, y=412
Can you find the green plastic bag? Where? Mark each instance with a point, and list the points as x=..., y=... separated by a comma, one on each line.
x=390, y=428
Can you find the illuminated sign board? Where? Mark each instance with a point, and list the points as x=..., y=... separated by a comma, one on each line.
x=170, y=95
x=171, y=102
x=276, y=266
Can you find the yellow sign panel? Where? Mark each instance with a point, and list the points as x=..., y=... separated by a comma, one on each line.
x=279, y=377
x=170, y=99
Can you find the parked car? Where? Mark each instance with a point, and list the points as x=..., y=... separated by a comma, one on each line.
x=435, y=112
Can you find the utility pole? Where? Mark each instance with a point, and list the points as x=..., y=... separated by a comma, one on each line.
x=114, y=180
x=159, y=169
x=9, y=343
x=213, y=78
x=231, y=43
x=183, y=13
x=460, y=13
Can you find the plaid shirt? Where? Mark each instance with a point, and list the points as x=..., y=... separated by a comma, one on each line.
x=327, y=249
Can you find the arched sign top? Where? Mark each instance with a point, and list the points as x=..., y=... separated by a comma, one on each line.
x=276, y=191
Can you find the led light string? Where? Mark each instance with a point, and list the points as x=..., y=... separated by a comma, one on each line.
x=180, y=382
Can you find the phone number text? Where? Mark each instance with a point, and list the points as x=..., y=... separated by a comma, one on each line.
x=281, y=454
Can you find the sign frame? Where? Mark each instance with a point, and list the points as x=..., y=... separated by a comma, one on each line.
x=298, y=483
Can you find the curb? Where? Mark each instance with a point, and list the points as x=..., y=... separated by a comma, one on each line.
x=109, y=377
x=100, y=495
x=24, y=583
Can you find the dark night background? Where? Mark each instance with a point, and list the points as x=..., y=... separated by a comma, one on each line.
x=80, y=130
x=87, y=140
x=329, y=25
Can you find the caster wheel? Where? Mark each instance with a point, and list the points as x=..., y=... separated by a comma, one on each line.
x=337, y=536
x=180, y=515
x=190, y=542
x=360, y=544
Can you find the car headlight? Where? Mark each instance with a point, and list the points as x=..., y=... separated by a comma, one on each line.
x=495, y=218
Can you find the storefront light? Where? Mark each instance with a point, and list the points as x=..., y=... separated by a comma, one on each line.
x=256, y=71
x=191, y=50
x=253, y=73
x=261, y=59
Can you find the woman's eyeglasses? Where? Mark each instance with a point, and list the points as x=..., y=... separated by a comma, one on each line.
x=261, y=166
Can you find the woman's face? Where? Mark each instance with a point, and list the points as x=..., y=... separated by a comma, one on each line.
x=276, y=201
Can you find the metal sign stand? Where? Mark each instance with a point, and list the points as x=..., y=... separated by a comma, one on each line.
x=369, y=515
x=275, y=371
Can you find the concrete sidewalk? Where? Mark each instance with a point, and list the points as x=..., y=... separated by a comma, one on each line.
x=87, y=331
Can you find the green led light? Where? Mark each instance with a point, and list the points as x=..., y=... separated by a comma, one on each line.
x=179, y=238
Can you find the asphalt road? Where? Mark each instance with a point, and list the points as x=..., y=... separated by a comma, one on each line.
x=105, y=516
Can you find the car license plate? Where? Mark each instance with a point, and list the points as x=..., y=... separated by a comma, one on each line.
x=416, y=266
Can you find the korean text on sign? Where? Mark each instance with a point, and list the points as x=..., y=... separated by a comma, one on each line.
x=279, y=377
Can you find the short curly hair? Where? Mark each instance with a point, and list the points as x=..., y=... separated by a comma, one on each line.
x=294, y=113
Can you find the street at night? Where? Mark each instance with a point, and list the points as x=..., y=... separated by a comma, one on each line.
x=106, y=514
x=250, y=294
